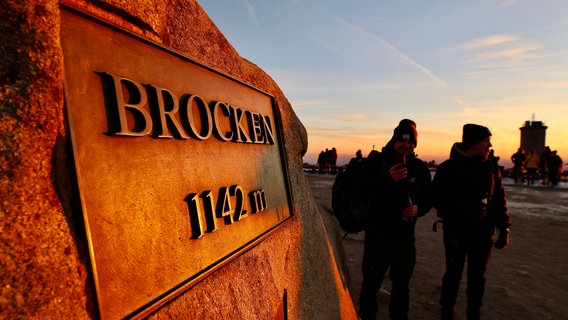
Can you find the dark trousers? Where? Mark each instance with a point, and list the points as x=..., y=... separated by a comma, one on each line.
x=518, y=172
x=399, y=258
x=478, y=253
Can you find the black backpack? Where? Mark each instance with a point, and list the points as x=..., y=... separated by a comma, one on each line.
x=348, y=200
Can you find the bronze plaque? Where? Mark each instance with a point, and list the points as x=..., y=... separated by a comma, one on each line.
x=179, y=167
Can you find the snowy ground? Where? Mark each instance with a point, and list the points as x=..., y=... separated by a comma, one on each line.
x=538, y=201
x=527, y=280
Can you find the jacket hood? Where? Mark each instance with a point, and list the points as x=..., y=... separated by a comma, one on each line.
x=457, y=153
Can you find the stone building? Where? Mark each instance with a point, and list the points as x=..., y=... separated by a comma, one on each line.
x=533, y=136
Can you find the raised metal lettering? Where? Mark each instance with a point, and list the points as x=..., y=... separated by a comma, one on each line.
x=217, y=126
x=239, y=129
x=267, y=129
x=224, y=207
x=210, y=220
x=257, y=201
x=256, y=127
x=238, y=193
x=134, y=100
x=205, y=121
x=194, y=215
x=166, y=99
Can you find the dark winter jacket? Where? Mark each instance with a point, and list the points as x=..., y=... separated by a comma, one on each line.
x=388, y=197
x=469, y=196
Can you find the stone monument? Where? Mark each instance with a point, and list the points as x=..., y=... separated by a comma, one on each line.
x=149, y=171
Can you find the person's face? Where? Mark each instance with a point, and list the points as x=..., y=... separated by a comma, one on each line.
x=481, y=149
x=404, y=147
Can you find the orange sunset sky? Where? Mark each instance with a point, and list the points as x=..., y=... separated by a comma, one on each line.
x=353, y=69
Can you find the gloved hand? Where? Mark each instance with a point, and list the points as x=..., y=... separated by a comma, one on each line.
x=502, y=239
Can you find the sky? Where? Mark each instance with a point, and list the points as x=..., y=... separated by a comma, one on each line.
x=352, y=69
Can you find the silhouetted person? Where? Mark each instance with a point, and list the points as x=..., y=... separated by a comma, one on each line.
x=518, y=159
x=399, y=194
x=321, y=162
x=532, y=163
x=358, y=158
x=333, y=160
x=554, y=168
x=543, y=165
x=469, y=196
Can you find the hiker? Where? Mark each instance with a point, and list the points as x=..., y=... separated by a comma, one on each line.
x=555, y=168
x=532, y=163
x=397, y=184
x=518, y=159
x=469, y=196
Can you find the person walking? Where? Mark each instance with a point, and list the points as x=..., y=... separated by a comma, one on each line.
x=469, y=196
x=398, y=184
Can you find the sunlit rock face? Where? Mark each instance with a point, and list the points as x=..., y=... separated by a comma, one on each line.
x=44, y=252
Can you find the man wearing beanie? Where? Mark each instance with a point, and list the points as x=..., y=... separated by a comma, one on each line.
x=469, y=197
x=397, y=183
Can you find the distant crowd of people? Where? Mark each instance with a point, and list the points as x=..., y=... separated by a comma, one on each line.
x=546, y=168
x=327, y=161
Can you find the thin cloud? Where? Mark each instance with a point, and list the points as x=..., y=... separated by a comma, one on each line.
x=250, y=10
x=501, y=51
x=488, y=41
x=415, y=64
x=343, y=36
x=511, y=53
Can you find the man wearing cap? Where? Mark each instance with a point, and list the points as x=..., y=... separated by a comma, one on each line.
x=469, y=196
x=398, y=185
